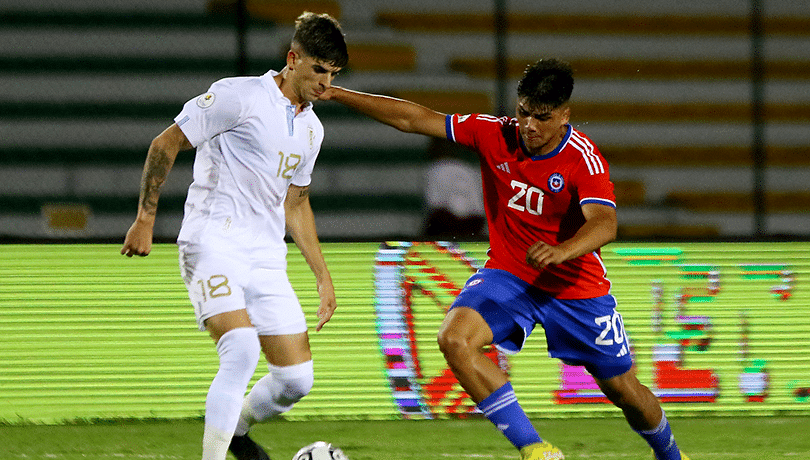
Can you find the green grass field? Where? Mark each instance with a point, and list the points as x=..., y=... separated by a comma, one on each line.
x=709, y=438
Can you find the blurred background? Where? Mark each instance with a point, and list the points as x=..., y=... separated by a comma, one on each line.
x=701, y=107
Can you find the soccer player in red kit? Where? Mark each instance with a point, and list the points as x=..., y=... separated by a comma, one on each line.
x=550, y=208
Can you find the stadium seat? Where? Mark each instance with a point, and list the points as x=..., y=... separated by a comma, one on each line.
x=449, y=101
x=375, y=57
x=735, y=112
x=775, y=202
x=713, y=25
x=278, y=11
x=629, y=192
x=79, y=79
x=703, y=156
x=645, y=69
x=648, y=232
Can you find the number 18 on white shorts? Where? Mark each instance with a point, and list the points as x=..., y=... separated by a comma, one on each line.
x=220, y=281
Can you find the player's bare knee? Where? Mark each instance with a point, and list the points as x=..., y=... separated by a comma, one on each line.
x=447, y=342
x=455, y=347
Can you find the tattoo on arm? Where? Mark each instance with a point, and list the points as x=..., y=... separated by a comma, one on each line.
x=304, y=192
x=157, y=168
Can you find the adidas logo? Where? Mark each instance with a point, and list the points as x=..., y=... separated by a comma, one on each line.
x=503, y=426
x=504, y=167
x=623, y=351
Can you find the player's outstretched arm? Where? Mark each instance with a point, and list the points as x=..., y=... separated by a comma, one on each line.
x=301, y=226
x=159, y=161
x=403, y=115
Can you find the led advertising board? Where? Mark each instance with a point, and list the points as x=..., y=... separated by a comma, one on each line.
x=714, y=328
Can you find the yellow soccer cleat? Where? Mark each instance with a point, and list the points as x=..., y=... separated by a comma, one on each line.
x=683, y=456
x=541, y=451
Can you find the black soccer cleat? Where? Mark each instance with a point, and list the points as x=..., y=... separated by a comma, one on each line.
x=244, y=448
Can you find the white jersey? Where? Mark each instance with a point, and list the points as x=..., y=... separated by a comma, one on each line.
x=250, y=147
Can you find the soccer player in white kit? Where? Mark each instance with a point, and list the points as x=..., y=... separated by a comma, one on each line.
x=257, y=139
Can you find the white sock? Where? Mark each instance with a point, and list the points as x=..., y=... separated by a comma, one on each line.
x=275, y=393
x=238, y=351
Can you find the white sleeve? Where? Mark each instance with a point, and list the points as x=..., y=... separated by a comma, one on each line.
x=210, y=114
x=303, y=175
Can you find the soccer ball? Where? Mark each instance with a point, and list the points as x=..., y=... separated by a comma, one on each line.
x=320, y=451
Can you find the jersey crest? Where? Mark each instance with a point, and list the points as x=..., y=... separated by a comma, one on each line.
x=206, y=100
x=556, y=182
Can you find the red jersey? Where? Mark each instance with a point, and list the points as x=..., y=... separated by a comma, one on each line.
x=529, y=199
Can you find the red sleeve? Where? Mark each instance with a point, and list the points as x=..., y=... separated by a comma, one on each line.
x=470, y=130
x=592, y=174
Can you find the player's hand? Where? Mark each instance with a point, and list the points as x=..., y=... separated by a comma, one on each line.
x=327, y=95
x=328, y=303
x=542, y=254
x=138, y=241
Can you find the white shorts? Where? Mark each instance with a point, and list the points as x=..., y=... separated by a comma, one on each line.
x=223, y=281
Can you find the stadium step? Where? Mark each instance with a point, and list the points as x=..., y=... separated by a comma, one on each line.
x=145, y=65
x=648, y=232
x=629, y=192
x=705, y=156
x=32, y=205
x=63, y=157
x=278, y=11
x=113, y=19
x=74, y=95
x=686, y=112
x=730, y=202
x=144, y=110
x=635, y=25
x=449, y=101
x=375, y=57
x=645, y=68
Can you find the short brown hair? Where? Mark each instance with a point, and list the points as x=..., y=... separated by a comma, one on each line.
x=320, y=36
x=547, y=83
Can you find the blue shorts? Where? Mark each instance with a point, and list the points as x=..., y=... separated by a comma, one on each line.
x=581, y=332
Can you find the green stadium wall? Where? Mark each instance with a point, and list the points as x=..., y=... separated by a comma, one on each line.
x=87, y=334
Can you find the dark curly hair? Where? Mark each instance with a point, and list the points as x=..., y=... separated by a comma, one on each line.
x=320, y=36
x=547, y=83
